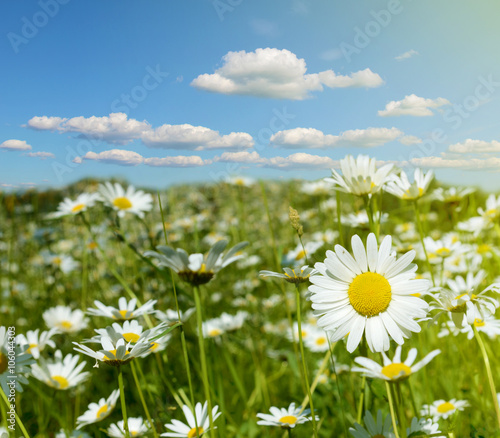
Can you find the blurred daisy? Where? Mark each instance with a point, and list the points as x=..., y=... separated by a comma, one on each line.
x=437, y=250
x=298, y=254
x=129, y=201
x=286, y=418
x=360, y=176
x=189, y=430
x=401, y=187
x=35, y=342
x=242, y=181
x=69, y=207
x=224, y=323
x=452, y=194
x=369, y=293
x=98, y=411
x=171, y=316
x=64, y=319
x=427, y=426
x=316, y=188
x=125, y=311
x=395, y=370
x=491, y=213
x=297, y=275
x=60, y=262
x=443, y=409
x=60, y=373
x=197, y=269
x=75, y=434
x=373, y=429
x=136, y=426
x=361, y=220
x=317, y=340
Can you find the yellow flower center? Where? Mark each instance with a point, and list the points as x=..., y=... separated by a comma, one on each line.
x=102, y=411
x=154, y=346
x=214, y=332
x=396, y=371
x=113, y=352
x=57, y=261
x=479, y=323
x=131, y=337
x=320, y=341
x=3, y=363
x=92, y=245
x=484, y=248
x=30, y=347
x=62, y=382
x=443, y=252
x=300, y=255
x=78, y=208
x=122, y=203
x=288, y=419
x=66, y=324
x=195, y=432
x=491, y=212
x=369, y=294
x=445, y=407
x=123, y=313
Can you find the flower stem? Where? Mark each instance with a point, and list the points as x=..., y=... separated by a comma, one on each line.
x=18, y=420
x=402, y=415
x=141, y=396
x=122, y=401
x=203, y=358
x=391, y=408
x=304, y=367
x=339, y=217
x=421, y=234
x=488, y=372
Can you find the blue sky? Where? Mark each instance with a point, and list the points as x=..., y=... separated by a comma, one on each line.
x=179, y=91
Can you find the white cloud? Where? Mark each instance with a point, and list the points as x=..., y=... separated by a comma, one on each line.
x=240, y=157
x=179, y=161
x=412, y=105
x=313, y=138
x=409, y=140
x=277, y=74
x=42, y=155
x=195, y=138
x=406, y=55
x=299, y=161
x=471, y=146
x=116, y=128
x=492, y=163
x=115, y=156
x=15, y=145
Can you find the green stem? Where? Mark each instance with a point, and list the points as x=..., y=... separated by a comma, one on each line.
x=402, y=415
x=122, y=401
x=18, y=420
x=339, y=217
x=421, y=234
x=304, y=367
x=488, y=372
x=341, y=399
x=391, y=408
x=141, y=396
x=203, y=358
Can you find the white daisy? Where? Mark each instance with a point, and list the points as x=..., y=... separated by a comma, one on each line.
x=129, y=201
x=60, y=373
x=437, y=250
x=317, y=340
x=443, y=409
x=401, y=187
x=190, y=430
x=286, y=418
x=125, y=311
x=316, y=188
x=136, y=426
x=297, y=275
x=369, y=293
x=393, y=370
x=379, y=429
x=171, y=316
x=98, y=411
x=36, y=341
x=68, y=207
x=452, y=195
x=360, y=176
x=60, y=262
x=65, y=320
x=427, y=426
x=242, y=181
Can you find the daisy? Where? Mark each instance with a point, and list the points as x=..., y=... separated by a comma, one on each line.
x=286, y=418
x=241, y=181
x=452, y=195
x=361, y=220
x=317, y=340
x=136, y=427
x=60, y=373
x=360, y=176
x=401, y=187
x=492, y=211
x=190, y=430
x=60, y=262
x=369, y=293
x=98, y=411
x=395, y=370
x=437, y=250
x=171, y=316
x=299, y=253
x=125, y=311
x=296, y=276
x=129, y=201
x=69, y=207
x=380, y=428
x=316, y=188
x=197, y=269
x=36, y=341
x=443, y=409
x=64, y=319
x=428, y=427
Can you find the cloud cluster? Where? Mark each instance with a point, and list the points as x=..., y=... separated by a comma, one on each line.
x=300, y=138
x=276, y=74
x=41, y=155
x=15, y=145
x=412, y=105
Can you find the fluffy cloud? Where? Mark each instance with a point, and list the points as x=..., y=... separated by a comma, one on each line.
x=42, y=155
x=115, y=156
x=313, y=138
x=406, y=55
x=412, y=105
x=409, y=140
x=116, y=128
x=195, y=138
x=301, y=161
x=179, y=161
x=492, y=163
x=277, y=74
x=15, y=145
x=240, y=157
x=470, y=146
